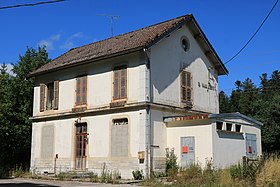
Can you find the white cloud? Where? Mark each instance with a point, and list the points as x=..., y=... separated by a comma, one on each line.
x=9, y=68
x=69, y=43
x=49, y=43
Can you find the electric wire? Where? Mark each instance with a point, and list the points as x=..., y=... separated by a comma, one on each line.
x=234, y=56
x=31, y=4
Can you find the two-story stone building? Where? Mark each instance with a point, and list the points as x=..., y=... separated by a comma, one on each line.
x=122, y=101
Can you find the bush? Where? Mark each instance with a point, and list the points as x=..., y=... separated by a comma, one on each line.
x=171, y=167
x=138, y=175
x=108, y=176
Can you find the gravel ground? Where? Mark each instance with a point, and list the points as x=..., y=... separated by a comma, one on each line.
x=41, y=183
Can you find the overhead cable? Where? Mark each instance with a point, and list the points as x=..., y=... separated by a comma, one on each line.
x=31, y=4
x=253, y=34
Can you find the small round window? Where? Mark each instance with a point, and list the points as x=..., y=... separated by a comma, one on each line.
x=185, y=43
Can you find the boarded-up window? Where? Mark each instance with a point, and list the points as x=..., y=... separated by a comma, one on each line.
x=120, y=83
x=186, y=87
x=81, y=90
x=119, y=138
x=47, y=143
x=49, y=94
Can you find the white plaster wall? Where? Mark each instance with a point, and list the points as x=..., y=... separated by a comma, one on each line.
x=168, y=58
x=99, y=143
x=203, y=141
x=229, y=148
x=158, y=133
x=100, y=78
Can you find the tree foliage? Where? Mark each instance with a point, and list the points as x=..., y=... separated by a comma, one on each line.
x=261, y=103
x=15, y=109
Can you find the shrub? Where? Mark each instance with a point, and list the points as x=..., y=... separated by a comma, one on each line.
x=138, y=174
x=66, y=175
x=108, y=176
x=171, y=167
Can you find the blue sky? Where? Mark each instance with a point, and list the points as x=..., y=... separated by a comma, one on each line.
x=227, y=24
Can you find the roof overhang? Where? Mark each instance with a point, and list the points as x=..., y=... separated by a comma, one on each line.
x=236, y=115
x=206, y=46
x=206, y=119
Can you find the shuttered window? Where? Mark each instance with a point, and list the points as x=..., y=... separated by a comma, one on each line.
x=49, y=94
x=81, y=90
x=120, y=83
x=56, y=94
x=42, y=97
x=186, y=86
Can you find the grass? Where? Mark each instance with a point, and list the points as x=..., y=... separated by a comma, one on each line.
x=269, y=174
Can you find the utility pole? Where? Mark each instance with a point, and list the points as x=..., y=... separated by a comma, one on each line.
x=112, y=18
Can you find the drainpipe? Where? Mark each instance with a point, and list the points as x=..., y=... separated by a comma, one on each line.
x=148, y=116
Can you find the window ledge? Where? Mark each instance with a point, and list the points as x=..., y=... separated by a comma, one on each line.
x=117, y=103
x=79, y=109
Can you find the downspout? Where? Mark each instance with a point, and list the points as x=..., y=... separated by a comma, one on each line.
x=149, y=115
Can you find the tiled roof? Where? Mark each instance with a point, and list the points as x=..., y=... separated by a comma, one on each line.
x=112, y=46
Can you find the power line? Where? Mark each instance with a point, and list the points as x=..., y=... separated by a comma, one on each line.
x=31, y=4
x=253, y=34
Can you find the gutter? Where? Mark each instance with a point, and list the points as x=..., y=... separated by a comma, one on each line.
x=148, y=117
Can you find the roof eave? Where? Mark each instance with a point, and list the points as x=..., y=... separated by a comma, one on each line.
x=36, y=74
x=208, y=48
x=235, y=115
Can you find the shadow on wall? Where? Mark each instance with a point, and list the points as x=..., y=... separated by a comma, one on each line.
x=228, y=135
x=167, y=74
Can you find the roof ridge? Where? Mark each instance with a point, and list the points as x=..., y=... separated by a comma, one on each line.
x=184, y=16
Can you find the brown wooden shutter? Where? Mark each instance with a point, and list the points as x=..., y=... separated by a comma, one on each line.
x=123, y=83
x=56, y=94
x=78, y=91
x=189, y=86
x=84, y=90
x=116, y=84
x=42, y=97
x=81, y=90
x=183, y=86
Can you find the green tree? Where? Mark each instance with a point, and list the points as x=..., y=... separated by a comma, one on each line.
x=16, y=108
x=261, y=103
x=224, y=102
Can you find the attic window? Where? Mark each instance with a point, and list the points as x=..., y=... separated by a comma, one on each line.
x=219, y=125
x=185, y=44
x=228, y=126
x=237, y=128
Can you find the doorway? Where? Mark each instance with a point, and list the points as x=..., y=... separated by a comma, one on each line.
x=81, y=146
x=187, y=151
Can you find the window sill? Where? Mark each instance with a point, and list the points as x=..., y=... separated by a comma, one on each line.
x=118, y=103
x=80, y=108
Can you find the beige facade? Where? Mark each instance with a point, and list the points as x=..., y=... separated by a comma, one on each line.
x=111, y=111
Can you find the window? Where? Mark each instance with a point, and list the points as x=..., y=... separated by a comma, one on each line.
x=219, y=125
x=119, y=138
x=81, y=91
x=237, y=128
x=120, y=82
x=49, y=94
x=185, y=44
x=81, y=145
x=228, y=126
x=186, y=87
